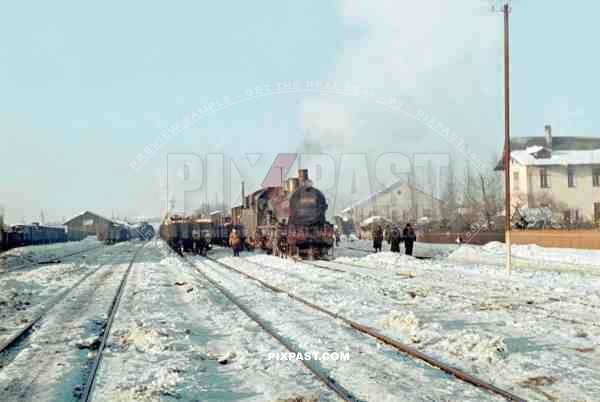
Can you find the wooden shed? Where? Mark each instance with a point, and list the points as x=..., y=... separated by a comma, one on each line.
x=84, y=224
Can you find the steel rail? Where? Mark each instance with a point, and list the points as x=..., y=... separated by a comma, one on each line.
x=356, y=273
x=53, y=303
x=50, y=260
x=419, y=257
x=112, y=312
x=325, y=379
x=529, y=307
x=461, y=375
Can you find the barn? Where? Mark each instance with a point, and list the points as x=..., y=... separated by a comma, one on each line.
x=84, y=224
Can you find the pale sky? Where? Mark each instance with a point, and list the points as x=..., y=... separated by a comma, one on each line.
x=86, y=88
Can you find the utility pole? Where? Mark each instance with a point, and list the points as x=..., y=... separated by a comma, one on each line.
x=507, y=221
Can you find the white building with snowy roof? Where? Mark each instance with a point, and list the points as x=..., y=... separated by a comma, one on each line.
x=398, y=202
x=562, y=171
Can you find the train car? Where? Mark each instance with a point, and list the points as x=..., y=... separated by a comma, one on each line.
x=186, y=234
x=34, y=234
x=142, y=231
x=288, y=220
x=112, y=233
x=4, y=244
x=345, y=224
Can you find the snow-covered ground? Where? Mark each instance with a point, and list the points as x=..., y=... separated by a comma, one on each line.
x=535, y=333
x=175, y=337
x=51, y=363
x=30, y=255
x=420, y=249
x=530, y=256
x=23, y=293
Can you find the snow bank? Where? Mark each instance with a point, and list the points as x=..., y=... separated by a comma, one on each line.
x=495, y=252
x=32, y=254
x=400, y=321
x=471, y=346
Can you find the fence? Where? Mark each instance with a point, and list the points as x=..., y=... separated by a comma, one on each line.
x=581, y=239
x=450, y=237
x=587, y=239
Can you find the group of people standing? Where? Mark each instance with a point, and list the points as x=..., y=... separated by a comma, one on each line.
x=394, y=236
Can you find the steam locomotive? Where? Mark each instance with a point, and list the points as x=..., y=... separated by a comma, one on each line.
x=287, y=220
x=283, y=220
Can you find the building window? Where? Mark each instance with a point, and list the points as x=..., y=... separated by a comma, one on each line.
x=596, y=177
x=515, y=181
x=597, y=213
x=544, y=179
x=88, y=222
x=571, y=176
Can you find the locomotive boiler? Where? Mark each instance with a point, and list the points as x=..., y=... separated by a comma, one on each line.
x=287, y=220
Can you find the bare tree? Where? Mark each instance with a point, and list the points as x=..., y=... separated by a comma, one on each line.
x=206, y=209
x=483, y=196
x=414, y=207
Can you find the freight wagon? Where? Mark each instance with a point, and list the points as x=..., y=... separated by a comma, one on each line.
x=187, y=234
x=112, y=233
x=27, y=235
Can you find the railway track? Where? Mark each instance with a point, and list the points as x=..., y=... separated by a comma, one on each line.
x=26, y=330
x=112, y=312
x=528, y=304
x=534, y=308
x=419, y=257
x=19, y=380
x=322, y=377
x=364, y=330
x=53, y=260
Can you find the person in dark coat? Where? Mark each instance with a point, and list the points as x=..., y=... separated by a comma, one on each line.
x=377, y=238
x=387, y=234
x=395, y=239
x=235, y=242
x=409, y=237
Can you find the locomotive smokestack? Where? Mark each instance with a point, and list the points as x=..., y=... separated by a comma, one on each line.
x=303, y=176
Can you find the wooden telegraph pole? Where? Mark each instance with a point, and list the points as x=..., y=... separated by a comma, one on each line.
x=505, y=9
x=507, y=207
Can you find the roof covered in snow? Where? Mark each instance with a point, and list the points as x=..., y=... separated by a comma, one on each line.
x=84, y=213
x=374, y=219
x=558, y=144
x=525, y=157
x=391, y=186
